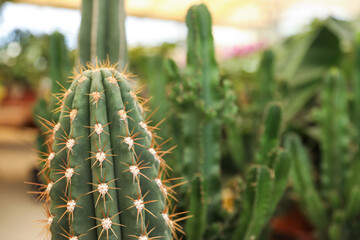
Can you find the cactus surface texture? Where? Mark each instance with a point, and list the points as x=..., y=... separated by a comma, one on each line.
x=102, y=32
x=105, y=170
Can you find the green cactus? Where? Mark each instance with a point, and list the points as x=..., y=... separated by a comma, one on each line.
x=335, y=138
x=266, y=79
x=251, y=116
x=354, y=195
x=205, y=104
x=356, y=85
x=105, y=170
x=102, y=32
x=200, y=98
x=332, y=208
x=269, y=141
x=60, y=68
x=301, y=176
x=266, y=182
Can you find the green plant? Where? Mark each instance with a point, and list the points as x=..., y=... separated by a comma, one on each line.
x=303, y=59
x=266, y=84
x=59, y=70
x=201, y=124
x=149, y=63
x=105, y=170
x=205, y=103
x=266, y=181
x=333, y=205
x=102, y=32
x=26, y=62
x=266, y=91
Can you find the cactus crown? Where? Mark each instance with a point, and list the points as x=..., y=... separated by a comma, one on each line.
x=105, y=169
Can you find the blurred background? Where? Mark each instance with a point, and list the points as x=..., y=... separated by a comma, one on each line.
x=155, y=30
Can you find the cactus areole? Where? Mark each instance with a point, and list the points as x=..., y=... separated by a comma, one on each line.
x=105, y=169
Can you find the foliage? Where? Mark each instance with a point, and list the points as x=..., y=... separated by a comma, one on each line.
x=331, y=203
x=24, y=59
x=204, y=103
x=228, y=147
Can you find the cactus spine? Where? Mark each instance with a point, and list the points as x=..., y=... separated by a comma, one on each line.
x=104, y=169
x=102, y=32
x=59, y=68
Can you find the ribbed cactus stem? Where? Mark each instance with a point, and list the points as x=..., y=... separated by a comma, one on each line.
x=102, y=32
x=335, y=138
x=203, y=74
x=267, y=181
x=269, y=141
x=357, y=85
x=301, y=176
x=266, y=79
x=105, y=174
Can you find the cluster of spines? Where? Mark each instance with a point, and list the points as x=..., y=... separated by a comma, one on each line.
x=141, y=140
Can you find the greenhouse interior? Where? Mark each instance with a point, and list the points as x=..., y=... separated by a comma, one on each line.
x=185, y=120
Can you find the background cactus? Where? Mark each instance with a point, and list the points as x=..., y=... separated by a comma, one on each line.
x=242, y=130
x=205, y=103
x=266, y=182
x=105, y=170
x=102, y=32
x=332, y=206
x=59, y=70
x=201, y=125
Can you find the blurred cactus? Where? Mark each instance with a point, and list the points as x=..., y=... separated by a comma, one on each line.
x=206, y=103
x=201, y=122
x=104, y=169
x=266, y=80
x=151, y=67
x=266, y=182
x=356, y=85
x=102, y=32
x=246, y=128
x=59, y=69
x=332, y=208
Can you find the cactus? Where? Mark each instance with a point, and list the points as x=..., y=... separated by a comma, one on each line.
x=266, y=182
x=199, y=99
x=356, y=85
x=332, y=207
x=251, y=116
x=102, y=32
x=105, y=170
x=205, y=103
x=266, y=79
